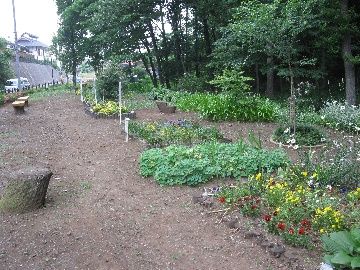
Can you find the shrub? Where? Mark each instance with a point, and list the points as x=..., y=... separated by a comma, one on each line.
x=178, y=165
x=190, y=83
x=2, y=98
x=173, y=132
x=108, y=108
x=341, y=116
x=233, y=81
x=304, y=135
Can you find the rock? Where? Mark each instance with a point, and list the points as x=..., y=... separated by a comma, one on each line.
x=276, y=250
x=197, y=199
x=232, y=224
x=252, y=234
x=24, y=190
x=207, y=203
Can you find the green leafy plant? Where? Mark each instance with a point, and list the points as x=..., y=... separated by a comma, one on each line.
x=305, y=135
x=233, y=81
x=228, y=107
x=174, y=132
x=341, y=116
x=343, y=249
x=177, y=165
x=108, y=108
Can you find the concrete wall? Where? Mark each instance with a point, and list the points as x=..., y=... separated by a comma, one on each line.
x=38, y=74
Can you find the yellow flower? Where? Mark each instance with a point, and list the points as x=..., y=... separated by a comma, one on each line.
x=315, y=175
x=258, y=176
x=304, y=174
x=322, y=230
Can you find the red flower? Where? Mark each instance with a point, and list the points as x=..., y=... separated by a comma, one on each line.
x=291, y=231
x=281, y=226
x=305, y=223
x=222, y=200
x=267, y=218
x=253, y=206
x=258, y=201
x=301, y=230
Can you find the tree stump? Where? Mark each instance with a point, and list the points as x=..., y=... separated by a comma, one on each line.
x=24, y=190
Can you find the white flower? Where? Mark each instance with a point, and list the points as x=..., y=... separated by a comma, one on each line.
x=287, y=130
x=292, y=141
x=322, y=139
x=296, y=147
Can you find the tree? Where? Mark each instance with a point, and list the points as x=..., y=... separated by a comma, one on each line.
x=5, y=68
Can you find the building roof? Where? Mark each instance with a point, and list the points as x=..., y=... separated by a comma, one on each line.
x=28, y=42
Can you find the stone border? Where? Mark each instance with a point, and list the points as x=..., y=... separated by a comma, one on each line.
x=300, y=146
x=88, y=111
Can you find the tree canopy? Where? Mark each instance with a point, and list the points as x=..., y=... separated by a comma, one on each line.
x=271, y=40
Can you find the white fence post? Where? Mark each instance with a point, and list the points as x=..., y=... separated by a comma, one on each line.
x=127, y=129
x=81, y=90
x=120, y=101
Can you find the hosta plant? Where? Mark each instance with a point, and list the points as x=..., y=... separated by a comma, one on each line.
x=342, y=249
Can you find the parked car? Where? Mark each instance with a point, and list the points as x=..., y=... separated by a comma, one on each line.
x=13, y=84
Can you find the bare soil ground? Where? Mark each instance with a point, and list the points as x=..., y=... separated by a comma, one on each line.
x=100, y=213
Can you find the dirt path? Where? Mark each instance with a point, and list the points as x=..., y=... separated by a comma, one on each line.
x=100, y=214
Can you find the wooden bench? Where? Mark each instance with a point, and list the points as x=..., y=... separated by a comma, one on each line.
x=19, y=106
x=24, y=98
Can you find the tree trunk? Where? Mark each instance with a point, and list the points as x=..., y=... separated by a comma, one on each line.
x=153, y=69
x=156, y=51
x=196, y=45
x=207, y=37
x=270, y=78
x=175, y=25
x=146, y=65
x=25, y=190
x=350, y=89
x=257, y=86
x=165, y=48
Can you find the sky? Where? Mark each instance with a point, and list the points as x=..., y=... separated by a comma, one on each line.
x=37, y=17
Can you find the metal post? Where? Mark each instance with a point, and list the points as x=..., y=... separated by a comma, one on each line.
x=17, y=65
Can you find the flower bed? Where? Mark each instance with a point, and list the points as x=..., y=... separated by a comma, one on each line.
x=294, y=206
x=179, y=165
x=109, y=110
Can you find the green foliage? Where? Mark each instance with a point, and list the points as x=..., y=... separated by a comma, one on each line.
x=343, y=249
x=5, y=68
x=304, y=135
x=191, y=83
x=337, y=164
x=142, y=86
x=173, y=132
x=179, y=165
x=341, y=116
x=107, y=83
x=228, y=107
x=233, y=81
x=2, y=98
x=108, y=108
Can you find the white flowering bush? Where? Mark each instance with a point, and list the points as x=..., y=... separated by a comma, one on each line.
x=341, y=116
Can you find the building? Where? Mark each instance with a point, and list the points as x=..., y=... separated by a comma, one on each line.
x=33, y=46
